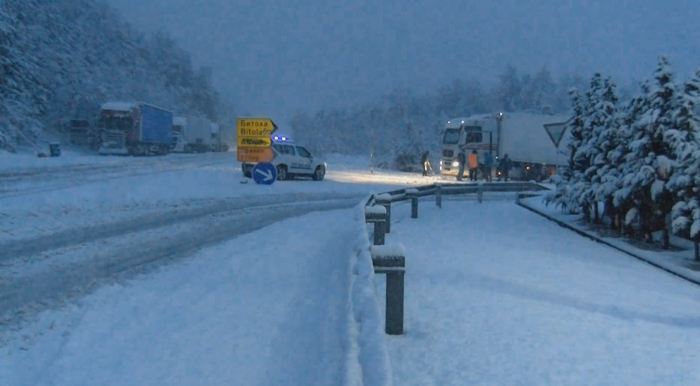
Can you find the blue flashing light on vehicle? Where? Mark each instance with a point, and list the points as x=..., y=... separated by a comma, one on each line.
x=281, y=138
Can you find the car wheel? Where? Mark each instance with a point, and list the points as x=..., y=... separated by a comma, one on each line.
x=281, y=172
x=320, y=173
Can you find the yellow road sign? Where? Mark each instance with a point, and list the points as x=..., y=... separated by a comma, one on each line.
x=255, y=127
x=255, y=154
x=254, y=142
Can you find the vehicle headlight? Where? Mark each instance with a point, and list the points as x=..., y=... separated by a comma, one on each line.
x=455, y=164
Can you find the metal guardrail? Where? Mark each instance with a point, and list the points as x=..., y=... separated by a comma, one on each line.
x=391, y=259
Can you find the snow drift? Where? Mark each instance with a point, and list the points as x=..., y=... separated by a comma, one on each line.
x=372, y=356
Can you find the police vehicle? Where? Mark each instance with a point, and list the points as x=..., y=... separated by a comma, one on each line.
x=291, y=160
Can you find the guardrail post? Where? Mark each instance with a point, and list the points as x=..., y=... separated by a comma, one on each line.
x=391, y=260
x=480, y=193
x=438, y=195
x=385, y=201
x=377, y=216
x=413, y=195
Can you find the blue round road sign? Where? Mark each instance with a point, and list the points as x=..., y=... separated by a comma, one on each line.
x=265, y=173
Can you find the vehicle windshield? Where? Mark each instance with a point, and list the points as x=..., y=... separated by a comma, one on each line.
x=115, y=123
x=451, y=137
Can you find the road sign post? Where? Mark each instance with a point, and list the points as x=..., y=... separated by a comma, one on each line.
x=264, y=173
x=254, y=143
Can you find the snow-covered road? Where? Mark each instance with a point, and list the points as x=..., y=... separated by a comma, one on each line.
x=68, y=227
x=269, y=308
x=497, y=295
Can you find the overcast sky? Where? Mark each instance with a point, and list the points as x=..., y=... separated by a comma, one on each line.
x=274, y=56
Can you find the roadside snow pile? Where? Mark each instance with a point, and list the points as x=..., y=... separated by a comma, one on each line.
x=375, y=210
x=373, y=356
x=337, y=162
x=389, y=250
x=22, y=162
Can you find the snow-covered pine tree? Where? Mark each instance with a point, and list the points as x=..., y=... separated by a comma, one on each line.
x=561, y=198
x=685, y=181
x=607, y=178
x=588, y=150
x=653, y=157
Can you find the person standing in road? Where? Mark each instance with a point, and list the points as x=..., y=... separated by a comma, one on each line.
x=488, y=163
x=462, y=160
x=425, y=160
x=505, y=166
x=473, y=165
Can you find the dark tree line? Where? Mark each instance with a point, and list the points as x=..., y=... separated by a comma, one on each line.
x=61, y=59
x=403, y=123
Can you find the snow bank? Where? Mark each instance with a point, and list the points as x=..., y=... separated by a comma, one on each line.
x=678, y=263
x=378, y=209
x=389, y=250
x=383, y=197
x=347, y=162
x=372, y=356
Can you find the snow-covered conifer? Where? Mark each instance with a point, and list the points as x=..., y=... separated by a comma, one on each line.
x=684, y=142
x=651, y=157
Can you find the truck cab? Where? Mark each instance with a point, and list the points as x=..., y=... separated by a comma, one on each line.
x=467, y=134
x=291, y=160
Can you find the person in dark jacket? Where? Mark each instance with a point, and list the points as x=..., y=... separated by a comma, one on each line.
x=462, y=159
x=488, y=163
x=505, y=166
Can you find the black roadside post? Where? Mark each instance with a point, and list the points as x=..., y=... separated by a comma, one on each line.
x=391, y=260
x=385, y=201
x=377, y=216
x=412, y=194
x=438, y=195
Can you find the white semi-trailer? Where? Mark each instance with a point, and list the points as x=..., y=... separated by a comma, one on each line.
x=535, y=143
x=191, y=134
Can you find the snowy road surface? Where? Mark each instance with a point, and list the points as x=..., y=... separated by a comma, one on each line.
x=497, y=295
x=69, y=227
x=269, y=308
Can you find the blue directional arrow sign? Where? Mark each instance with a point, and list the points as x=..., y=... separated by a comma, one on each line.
x=265, y=173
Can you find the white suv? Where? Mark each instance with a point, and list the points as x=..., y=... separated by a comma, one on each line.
x=291, y=160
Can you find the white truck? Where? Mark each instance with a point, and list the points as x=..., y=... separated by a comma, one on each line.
x=535, y=143
x=217, y=143
x=191, y=134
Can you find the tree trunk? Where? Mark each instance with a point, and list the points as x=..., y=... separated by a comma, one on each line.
x=586, y=213
x=596, y=211
x=666, y=239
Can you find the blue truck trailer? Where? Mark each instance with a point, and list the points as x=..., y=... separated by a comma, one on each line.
x=134, y=129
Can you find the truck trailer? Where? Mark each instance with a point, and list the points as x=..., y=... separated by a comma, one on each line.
x=134, y=129
x=533, y=143
x=191, y=134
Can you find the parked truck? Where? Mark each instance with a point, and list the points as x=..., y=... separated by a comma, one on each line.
x=217, y=143
x=191, y=134
x=535, y=143
x=134, y=129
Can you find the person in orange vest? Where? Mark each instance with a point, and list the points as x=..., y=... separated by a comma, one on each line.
x=473, y=165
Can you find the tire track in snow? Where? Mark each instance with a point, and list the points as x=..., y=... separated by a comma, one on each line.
x=23, y=248
x=23, y=297
x=77, y=177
